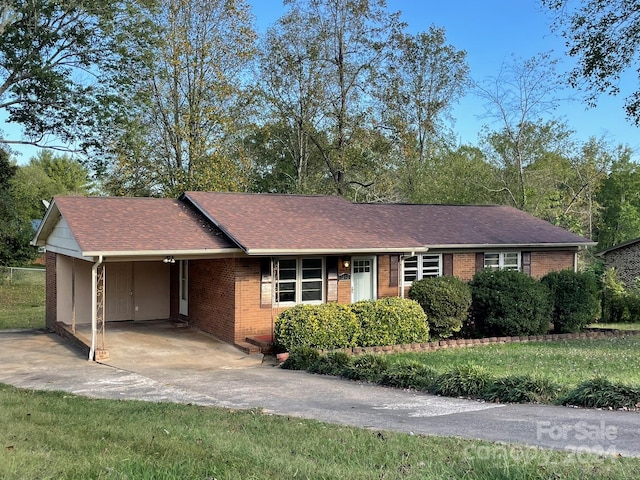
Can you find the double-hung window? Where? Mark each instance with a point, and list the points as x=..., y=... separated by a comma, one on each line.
x=502, y=260
x=422, y=266
x=300, y=280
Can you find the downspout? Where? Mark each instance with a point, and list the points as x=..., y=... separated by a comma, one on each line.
x=401, y=274
x=94, y=306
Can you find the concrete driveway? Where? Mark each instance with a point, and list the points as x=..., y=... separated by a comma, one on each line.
x=40, y=360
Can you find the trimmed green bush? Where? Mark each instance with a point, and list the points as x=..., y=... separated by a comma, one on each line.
x=574, y=299
x=462, y=381
x=408, y=374
x=509, y=303
x=445, y=300
x=520, y=389
x=326, y=326
x=602, y=393
x=390, y=321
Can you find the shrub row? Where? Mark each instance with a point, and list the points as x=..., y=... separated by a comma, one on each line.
x=508, y=303
x=387, y=321
x=469, y=381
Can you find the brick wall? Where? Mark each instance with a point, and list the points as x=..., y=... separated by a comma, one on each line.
x=384, y=290
x=344, y=286
x=545, y=262
x=51, y=306
x=464, y=265
x=212, y=297
x=626, y=260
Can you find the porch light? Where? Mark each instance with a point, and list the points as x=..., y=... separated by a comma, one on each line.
x=345, y=263
x=169, y=259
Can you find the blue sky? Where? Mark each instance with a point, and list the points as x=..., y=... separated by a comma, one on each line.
x=491, y=32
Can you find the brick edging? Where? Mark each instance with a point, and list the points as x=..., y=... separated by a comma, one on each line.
x=468, y=342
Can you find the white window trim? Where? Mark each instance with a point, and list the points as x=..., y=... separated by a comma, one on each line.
x=420, y=270
x=299, y=281
x=501, y=262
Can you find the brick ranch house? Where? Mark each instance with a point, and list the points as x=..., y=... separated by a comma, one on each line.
x=228, y=263
x=625, y=258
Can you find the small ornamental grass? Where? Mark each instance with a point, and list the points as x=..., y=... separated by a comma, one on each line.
x=602, y=393
x=462, y=381
x=521, y=389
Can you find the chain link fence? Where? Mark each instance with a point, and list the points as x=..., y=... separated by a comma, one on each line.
x=22, y=297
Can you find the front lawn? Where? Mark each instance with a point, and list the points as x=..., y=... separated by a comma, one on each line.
x=566, y=362
x=54, y=435
x=616, y=326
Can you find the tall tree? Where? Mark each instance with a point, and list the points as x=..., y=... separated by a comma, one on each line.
x=424, y=77
x=194, y=99
x=329, y=51
x=604, y=36
x=62, y=64
x=15, y=231
x=619, y=197
x=517, y=99
x=47, y=174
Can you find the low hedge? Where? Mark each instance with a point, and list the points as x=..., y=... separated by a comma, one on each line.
x=387, y=321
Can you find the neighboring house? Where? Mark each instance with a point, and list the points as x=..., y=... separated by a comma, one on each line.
x=228, y=263
x=625, y=258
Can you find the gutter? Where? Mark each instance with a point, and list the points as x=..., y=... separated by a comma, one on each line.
x=94, y=307
x=335, y=251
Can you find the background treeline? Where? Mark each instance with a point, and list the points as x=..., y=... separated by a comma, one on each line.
x=155, y=97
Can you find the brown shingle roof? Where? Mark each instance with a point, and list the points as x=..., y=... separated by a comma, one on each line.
x=297, y=223
x=263, y=222
x=266, y=224
x=124, y=224
x=466, y=225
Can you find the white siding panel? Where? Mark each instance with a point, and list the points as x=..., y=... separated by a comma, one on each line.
x=61, y=240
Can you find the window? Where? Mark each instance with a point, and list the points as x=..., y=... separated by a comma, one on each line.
x=502, y=260
x=422, y=266
x=300, y=280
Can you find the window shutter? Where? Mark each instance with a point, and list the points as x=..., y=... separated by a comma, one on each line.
x=332, y=279
x=394, y=261
x=479, y=261
x=266, y=286
x=526, y=263
x=447, y=264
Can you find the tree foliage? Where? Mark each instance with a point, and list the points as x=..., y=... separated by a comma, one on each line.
x=603, y=35
x=619, y=197
x=63, y=64
x=15, y=231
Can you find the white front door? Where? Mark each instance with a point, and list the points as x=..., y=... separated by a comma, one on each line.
x=362, y=278
x=184, y=287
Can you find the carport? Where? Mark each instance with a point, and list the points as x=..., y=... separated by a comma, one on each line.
x=105, y=270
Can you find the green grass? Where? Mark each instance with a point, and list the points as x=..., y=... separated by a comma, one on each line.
x=22, y=298
x=565, y=362
x=53, y=435
x=616, y=326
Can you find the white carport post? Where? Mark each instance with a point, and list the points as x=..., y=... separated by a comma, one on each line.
x=97, y=307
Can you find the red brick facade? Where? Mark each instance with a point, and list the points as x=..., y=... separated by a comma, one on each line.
x=225, y=294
